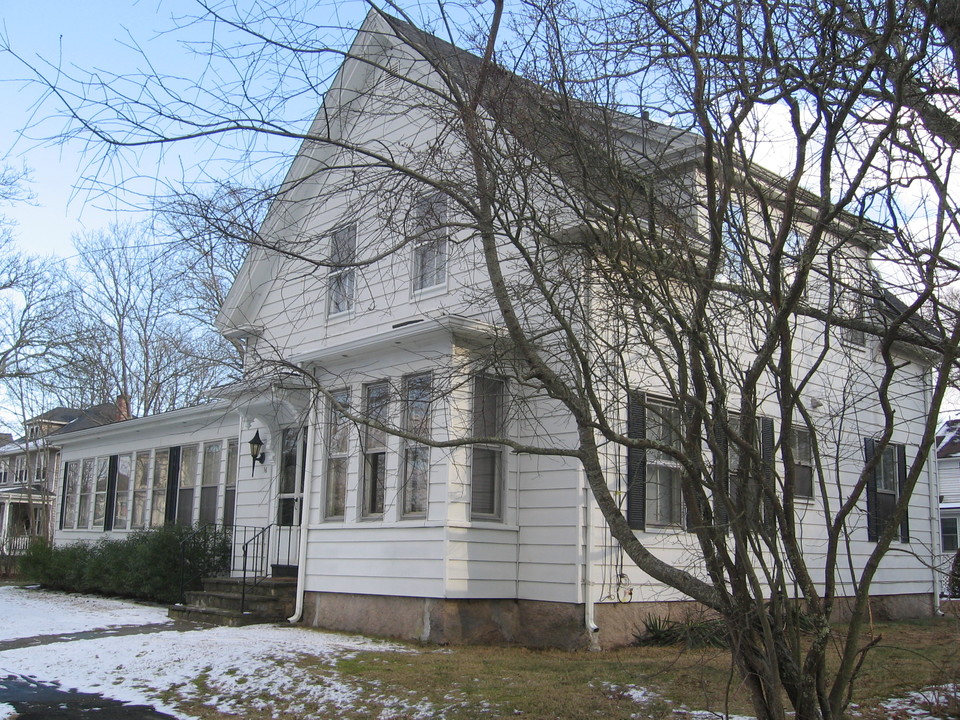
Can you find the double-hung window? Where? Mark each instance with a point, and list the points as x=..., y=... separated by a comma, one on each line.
x=376, y=410
x=802, y=446
x=734, y=238
x=652, y=475
x=429, y=240
x=416, y=455
x=948, y=534
x=486, y=467
x=884, y=487
x=342, y=274
x=338, y=456
x=664, y=498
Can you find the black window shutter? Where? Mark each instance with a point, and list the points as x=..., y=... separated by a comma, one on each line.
x=63, y=496
x=173, y=486
x=769, y=472
x=873, y=529
x=111, y=494
x=636, y=461
x=901, y=488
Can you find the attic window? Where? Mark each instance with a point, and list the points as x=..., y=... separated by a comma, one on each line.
x=391, y=74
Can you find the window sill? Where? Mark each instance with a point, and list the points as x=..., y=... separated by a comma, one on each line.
x=429, y=292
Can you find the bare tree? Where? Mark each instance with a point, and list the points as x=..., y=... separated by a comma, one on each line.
x=127, y=333
x=620, y=254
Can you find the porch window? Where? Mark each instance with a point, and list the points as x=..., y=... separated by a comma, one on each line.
x=486, y=466
x=86, y=493
x=141, y=469
x=376, y=409
x=338, y=454
x=429, y=239
x=121, y=504
x=416, y=456
x=230, y=490
x=186, y=481
x=292, y=475
x=100, y=494
x=161, y=470
x=342, y=274
x=210, y=482
x=71, y=493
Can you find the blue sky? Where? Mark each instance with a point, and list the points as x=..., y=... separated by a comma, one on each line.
x=65, y=35
x=43, y=32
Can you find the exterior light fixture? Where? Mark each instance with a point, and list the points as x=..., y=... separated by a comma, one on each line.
x=256, y=450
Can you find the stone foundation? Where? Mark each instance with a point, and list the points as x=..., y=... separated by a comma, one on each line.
x=450, y=622
x=528, y=622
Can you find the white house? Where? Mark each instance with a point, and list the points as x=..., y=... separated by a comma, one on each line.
x=948, y=466
x=29, y=466
x=445, y=541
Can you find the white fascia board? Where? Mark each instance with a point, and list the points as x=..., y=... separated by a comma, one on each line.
x=401, y=334
x=152, y=424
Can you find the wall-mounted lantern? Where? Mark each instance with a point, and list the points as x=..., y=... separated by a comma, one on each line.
x=256, y=450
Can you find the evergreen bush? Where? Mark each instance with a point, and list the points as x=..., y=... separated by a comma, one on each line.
x=146, y=565
x=954, y=584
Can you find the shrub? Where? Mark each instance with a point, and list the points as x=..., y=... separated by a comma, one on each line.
x=146, y=565
x=954, y=583
x=661, y=631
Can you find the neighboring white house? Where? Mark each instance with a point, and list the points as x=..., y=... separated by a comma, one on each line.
x=948, y=467
x=176, y=467
x=446, y=544
x=29, y=466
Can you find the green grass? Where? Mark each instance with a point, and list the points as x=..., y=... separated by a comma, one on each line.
x=495, y=682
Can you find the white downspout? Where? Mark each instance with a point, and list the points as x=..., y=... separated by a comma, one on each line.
x=589, y=613
x=305, y=516
x=933, y=481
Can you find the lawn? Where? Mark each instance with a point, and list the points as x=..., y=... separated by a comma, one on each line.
x=470, y=682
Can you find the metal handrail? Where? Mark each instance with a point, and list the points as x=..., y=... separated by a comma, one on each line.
x=183, y=556
x=256, y=540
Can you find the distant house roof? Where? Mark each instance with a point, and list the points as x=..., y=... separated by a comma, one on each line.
x=948, y=439
x=66, y=420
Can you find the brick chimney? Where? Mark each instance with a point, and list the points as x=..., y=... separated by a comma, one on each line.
x=123, y=407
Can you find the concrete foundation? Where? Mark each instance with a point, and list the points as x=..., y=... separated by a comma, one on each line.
x=528, y=622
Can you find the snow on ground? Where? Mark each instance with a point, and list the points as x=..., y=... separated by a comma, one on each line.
x=232, y=664
x=27, y=613
x=231, y=669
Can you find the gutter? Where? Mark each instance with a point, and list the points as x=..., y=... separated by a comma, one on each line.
x=305, y=517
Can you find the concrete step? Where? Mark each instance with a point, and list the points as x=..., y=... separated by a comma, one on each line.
x=265, y=604
x=218, y=616
x=275, y=587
